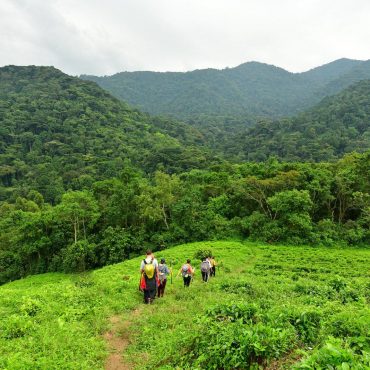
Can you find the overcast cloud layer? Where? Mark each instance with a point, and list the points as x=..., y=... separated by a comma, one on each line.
x=104, y=37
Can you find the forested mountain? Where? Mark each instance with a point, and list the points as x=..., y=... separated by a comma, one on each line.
x=360, y=72
x=339, y=124
x=251, y=88
x=88, y=181
x=59, y=132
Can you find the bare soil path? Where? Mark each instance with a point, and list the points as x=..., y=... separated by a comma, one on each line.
x=118, y=338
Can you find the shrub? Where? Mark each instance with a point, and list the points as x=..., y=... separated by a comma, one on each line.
x=335, y=355
x=233, y=312
x=30, y=307
x=203, y=253
x=239, y=287
x=307, y=325
x=229, y=345
x=16, y=326
x=79, y=257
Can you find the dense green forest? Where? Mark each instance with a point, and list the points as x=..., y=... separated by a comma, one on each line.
x=251, y=88
x=88, y=181
x=58, y=132
x=339, y=124
x=113, y=219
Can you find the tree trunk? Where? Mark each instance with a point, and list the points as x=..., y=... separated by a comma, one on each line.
x=165, y=217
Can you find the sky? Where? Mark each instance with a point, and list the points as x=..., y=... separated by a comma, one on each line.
x=103, y=37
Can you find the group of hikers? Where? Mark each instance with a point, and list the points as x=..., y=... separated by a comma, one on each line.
x=154, y=275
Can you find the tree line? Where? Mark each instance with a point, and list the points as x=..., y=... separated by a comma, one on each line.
x=113, y=219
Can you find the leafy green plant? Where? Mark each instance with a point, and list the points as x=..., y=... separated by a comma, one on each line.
x=16, y=326
x=232, y=312
x=335, y=355
x=238, y=287
x=203, y=253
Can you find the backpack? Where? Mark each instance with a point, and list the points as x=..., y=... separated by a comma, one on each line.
x=186, y=270
x=204, y=267
x=162, y=273
x=149, y=269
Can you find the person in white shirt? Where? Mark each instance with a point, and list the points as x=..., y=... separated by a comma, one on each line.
x=149, y=272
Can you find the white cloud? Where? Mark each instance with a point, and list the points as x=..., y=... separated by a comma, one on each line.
x=104, y=37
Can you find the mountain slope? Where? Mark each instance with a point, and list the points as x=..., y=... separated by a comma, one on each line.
x=333, y=70
x=251, y=88
x=338, y=125
x=266, y=304
x=59, y=132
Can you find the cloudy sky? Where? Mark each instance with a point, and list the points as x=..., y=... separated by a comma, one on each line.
x=103, y=37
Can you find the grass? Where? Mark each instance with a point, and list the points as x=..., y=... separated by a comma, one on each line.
x=56, y=321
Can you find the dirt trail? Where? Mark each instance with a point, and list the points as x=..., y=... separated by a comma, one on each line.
x=118, y=338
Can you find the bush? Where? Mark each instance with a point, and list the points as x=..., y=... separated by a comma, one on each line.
x=230, y=345
x=30, y=307
x=326, y=232
x=16, y=326
x=260, y=227
x=238, y=287
x=244, y=313
x=353, y=327
x=307, y=325
x=79, y=257
x=203, y=253
x=335, y=355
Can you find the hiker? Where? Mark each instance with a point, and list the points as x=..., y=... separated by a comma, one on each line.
x=213, y=266
x=187, y=272
x=163, y=272
x=149, y=277
x=205, y=268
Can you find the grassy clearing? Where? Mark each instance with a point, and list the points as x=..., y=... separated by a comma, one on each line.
x=298, y=306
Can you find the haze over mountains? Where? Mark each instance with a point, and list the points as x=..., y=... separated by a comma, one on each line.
x=250, y=88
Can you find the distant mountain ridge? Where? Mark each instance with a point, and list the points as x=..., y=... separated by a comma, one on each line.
x=250, y=88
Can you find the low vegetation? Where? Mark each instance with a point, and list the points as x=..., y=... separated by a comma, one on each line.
x=270, y=307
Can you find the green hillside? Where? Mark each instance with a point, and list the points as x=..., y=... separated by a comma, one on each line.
x=274, y=306
x=59, y=132
x=87, y=181
x=251, y=88
x=339, y=124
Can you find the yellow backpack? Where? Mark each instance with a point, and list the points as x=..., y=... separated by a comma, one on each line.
x=149, y=269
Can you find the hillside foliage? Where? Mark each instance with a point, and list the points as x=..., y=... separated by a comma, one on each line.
x=337, y=125
x=268, y=307
x=251, y=88
x=87, y=181
x=111, y=220
x=58, y=132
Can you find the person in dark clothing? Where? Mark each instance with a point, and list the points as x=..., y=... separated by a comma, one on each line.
x=205, y=268
x=213, y=266
x=163, y=271
x=187, y=272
